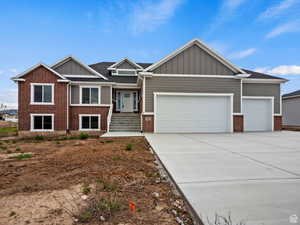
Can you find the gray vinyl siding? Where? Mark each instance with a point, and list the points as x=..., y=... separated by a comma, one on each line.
x=75, y=94
x=72, y=68
x=256, y=89
x=126, y=65
x=291, y=111
x=194, y=60
x=192, y=85
x=105, y=94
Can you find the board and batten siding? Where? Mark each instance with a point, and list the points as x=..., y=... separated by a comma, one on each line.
x=193, y=60
x=125, y=65
x=72, y=68
x=105, y=94
x=256, y=89
x=192, y=85
x=290, y=111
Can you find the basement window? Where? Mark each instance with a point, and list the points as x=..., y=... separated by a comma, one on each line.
x=42, y=122
x=89, y=122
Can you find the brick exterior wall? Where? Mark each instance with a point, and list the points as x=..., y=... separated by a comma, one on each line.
x=59, y=109
x=277, y=122
x=238, y=123
x=76, y=110
x=148, y=123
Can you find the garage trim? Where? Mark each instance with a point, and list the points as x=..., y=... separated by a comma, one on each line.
x=263, y=97
x=193, y=94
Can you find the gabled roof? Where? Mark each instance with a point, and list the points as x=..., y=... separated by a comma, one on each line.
x=66, y=59
x=36, y=66
x=291, y=95
x=113, y=66
x=203, y=46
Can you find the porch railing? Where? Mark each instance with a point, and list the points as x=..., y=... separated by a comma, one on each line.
x=109, y=116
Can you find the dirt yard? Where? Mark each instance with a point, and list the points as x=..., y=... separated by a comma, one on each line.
x=92, y=181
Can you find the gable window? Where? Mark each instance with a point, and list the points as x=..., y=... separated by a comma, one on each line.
x=124, y=72
x=42, y=122
x=90, y=95
x=42, y=93
x=89, y=122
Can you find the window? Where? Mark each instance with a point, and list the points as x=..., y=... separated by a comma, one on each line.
x=42, y=122
x=135, y=101
x=118, y=100
x=90, y=95
x=89, y=122
x=124, y=72
x=42, y=93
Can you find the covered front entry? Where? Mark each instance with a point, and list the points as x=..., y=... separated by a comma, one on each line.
x=126, y=101
x=192, y=113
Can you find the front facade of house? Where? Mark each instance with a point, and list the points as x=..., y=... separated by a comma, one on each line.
x=191, y=90
x=291, y=109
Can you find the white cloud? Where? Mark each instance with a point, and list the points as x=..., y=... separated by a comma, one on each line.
x=289, y=27
x=277, y=9
x=9, y=98
x=13, y=70
x=148, y=15
x=232, y=4
x=243, y=54
x=1, y=72
x=280, y=70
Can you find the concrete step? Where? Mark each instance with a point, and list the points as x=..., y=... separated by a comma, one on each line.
x=124, y=129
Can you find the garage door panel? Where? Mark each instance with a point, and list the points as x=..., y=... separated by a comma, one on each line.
x=193, y=114
x=258, y=114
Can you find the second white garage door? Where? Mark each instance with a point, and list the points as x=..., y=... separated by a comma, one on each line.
x=193, y=113
x=258, y=113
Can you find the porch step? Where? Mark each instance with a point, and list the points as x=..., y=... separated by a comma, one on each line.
x=125, y=122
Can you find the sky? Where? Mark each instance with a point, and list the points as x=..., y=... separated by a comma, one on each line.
x=253, y=34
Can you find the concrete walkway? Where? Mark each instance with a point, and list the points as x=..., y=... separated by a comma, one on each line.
x=123, y=134
x=254, y=176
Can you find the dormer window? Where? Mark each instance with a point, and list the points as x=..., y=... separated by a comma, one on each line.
x=124, y=72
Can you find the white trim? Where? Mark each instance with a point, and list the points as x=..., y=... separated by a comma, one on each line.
x=202, y=46
x=280, y=99
x=238, y=114
x=272, y=104
x=277, y=114
x=80, y=76
x=148, y=113
x=89, y=115
x=258, y=97
x=95, y=105
x=194, y=94
x=32, y=102
x=18, y=79
x=272, y=81
x=68, y=104
x=288, y=97
x=66, y=59
x=92, y=82
x=112, y=67
x=40, y=130
x=126, y=75
x=196, y=75
x=144, y=92
x=241, y=101
x=36, y=66
x=86, y=104
x=63, y=81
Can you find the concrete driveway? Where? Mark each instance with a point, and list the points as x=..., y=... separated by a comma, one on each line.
x=254, y=176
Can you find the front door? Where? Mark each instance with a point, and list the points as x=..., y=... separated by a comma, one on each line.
x=127, y=102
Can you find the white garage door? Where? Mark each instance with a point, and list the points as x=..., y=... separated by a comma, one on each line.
x=193, y=114
x=258, y=114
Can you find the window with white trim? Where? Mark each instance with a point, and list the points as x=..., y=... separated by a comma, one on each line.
x=124, y=72
x=42, y=93
x=42, y=122
x=90, y=95
x=89, y=122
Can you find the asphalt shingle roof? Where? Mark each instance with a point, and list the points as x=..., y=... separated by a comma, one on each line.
x=102, y=69
x=292, y=94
